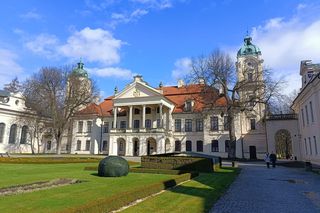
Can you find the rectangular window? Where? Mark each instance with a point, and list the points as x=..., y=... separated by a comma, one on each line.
x=78, y=148
x=214, y=146
x=310, y=145
x=80, y=126
x=158, y=123
x=188, y=146
x=123, y=124
x=226, y=148
x=305, y=145
x=225, y=123
x=104, y=145
x=136, y=124
x=188, y=125
x=307, y=114
x=105, y=127
x=252, y=124
x=188, y=106
x=315, y=145
x=311, y=111
x=250, y=76
x=48, y=145
x=87, y=145
x=148, y=124
x=199, y=146
x=177, y=125
x=177, y=146
x=214, y=123
x=251, y=100
x=89, y=126
x=302, y=117
x=199, y=125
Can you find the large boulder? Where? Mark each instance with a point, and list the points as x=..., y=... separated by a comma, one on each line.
x=113, y=166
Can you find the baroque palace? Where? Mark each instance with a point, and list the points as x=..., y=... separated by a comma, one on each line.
x=144, y=120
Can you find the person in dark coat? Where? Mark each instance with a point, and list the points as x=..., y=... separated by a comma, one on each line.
x=273, y=159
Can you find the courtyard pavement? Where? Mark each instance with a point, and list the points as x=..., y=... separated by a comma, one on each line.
x=261, y=190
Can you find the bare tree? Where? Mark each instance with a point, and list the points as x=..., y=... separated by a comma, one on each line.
x=217, y=72
x=14, y=86
x=36, y=127
x=57, y=93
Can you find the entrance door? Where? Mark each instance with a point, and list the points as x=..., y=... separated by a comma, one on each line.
x=151, y=146
x=121, y=147
x=253, y=152
x=136, y=148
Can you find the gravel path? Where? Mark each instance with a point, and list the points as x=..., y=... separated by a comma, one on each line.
x=259, y=189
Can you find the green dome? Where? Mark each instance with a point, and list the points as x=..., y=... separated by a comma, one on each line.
x=248, y=48
x=79, y=71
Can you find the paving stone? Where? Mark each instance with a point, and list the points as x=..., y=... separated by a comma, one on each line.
x=262, y=190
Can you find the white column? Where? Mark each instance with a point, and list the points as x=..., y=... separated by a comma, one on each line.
x=170, y=120
x=130, y=117
x=160, y=113
x=144, y=116
x=115, y=111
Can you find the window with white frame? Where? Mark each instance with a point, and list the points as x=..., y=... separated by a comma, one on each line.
x=80, y=126
x=136, y=124
x=13, y=134
x=105, y=127
x=78, y=148
x=177, y=125
x=48, y=145
x=24, y=135
x=199, y=125
x=214, y=123
x=148, y=124
x=89, y=126
x=88, y=142
x=188, y=125
x=307, y=114
x=104, y=145
x=311, y=111
x=225, y=123
x=252, y=124
x=199, y=146
x=227, y=147
x=214, y=146
x=305, y=145
x=315, y=145
x=302, y=116
x=2, y=131
x=123, y=124
x=309, y=139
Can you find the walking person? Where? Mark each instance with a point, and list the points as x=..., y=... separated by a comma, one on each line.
x=267, y=160
x=273, y=159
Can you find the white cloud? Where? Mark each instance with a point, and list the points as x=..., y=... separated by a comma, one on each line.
x=285, y=42
x=157, y=4
x=95, y=45
x=43, y=44
x=117, y=18
x=111, y=72
x=32, y=15
x=182, y=67
x=9, y=67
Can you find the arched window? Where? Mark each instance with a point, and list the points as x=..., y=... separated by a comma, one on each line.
x=13, y=133
x=23, y=138
x=2, y=129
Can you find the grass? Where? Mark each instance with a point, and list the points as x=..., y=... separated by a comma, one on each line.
x=57, y=199
x=197, y=195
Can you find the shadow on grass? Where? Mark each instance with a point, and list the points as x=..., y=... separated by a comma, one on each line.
x=209, y=187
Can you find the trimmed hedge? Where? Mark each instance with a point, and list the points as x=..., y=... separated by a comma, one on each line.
x=178, y=162
x=145, y=170
x=122, y=199
x=158, y=171
x=49, y=160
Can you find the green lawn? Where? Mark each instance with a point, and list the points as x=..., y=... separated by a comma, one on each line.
x=197, y=195
x=56, y=199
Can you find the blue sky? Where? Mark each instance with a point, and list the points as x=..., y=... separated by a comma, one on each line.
x=155, y=38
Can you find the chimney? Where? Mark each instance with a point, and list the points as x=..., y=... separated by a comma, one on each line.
x=180, y=83
x=201, y=81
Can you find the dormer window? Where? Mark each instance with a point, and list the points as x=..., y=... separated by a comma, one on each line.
x=188, y=106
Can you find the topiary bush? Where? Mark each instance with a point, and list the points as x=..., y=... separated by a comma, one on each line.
x=113, y=166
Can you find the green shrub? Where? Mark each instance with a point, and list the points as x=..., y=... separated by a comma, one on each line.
x=113, y=166
x=177, y=162
x=122, y=199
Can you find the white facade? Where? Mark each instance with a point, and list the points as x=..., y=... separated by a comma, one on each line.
x=307, y=105
x=16, y=126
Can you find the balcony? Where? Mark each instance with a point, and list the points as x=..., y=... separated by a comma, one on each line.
x=282, y=117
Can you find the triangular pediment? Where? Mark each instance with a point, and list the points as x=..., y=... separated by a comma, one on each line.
x=136, y=90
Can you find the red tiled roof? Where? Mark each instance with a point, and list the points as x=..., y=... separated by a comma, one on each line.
x=202, y=97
